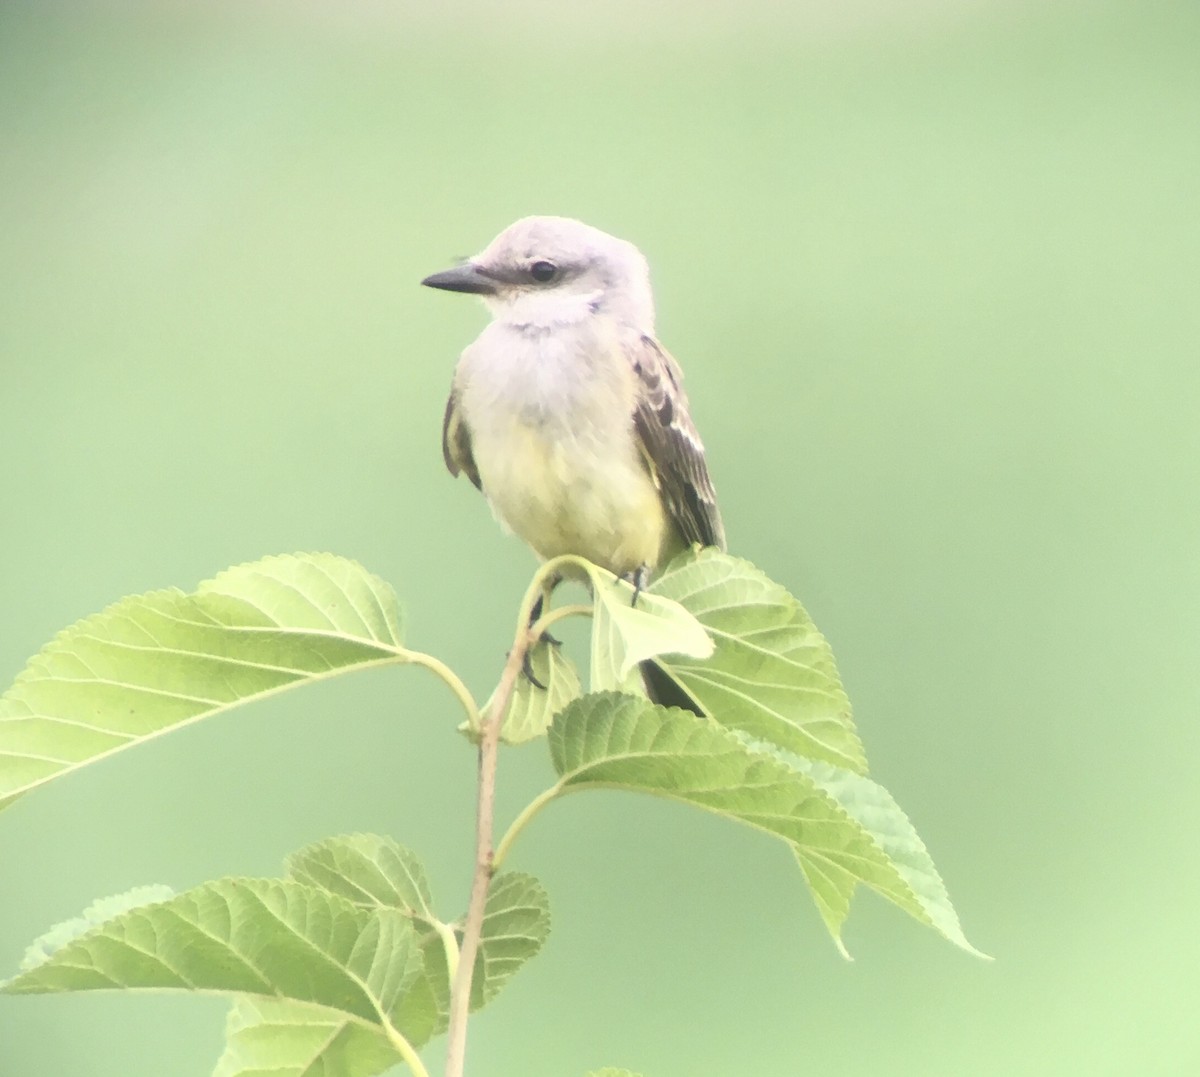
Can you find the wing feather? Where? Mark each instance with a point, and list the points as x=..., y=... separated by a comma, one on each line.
x=672, y=446
x=456, y=442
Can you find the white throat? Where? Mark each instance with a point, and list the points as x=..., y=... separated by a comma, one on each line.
x=546, y=310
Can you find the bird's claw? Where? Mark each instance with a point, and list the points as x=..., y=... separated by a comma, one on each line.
x=527, y=669
x=638, y=578
x=535, y=613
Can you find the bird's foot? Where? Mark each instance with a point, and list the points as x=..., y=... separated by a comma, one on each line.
x=639, y=577
x=527, y=669
x=535, y=615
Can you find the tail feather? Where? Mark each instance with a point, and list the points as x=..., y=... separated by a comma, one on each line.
x=663, y=689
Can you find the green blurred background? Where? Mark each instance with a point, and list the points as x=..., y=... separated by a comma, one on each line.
x=932, y=269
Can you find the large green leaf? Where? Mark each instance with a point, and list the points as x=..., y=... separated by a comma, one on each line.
x=324, y=963
x=772, y=673
x=275, y=938
x=152, y=662
x=273, y=1038
x=98, y=912
x=838, y=823
x=323, y=956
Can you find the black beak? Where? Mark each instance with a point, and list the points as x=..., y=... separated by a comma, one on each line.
x=463, y=278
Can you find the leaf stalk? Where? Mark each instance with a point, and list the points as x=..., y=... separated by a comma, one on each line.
x=403, y=1048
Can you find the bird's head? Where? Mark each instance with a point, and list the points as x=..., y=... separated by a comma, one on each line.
x=546, y=271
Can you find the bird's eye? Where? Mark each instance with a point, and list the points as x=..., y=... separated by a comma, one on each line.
x=543, y=272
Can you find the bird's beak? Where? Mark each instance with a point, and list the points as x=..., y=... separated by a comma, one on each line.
x=464, y=278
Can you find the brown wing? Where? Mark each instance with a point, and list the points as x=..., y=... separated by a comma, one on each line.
x=672, y=446
x=456, y=442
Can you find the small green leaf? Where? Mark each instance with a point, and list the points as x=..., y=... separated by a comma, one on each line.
x=273, y=1038
x=624, y=634
x=152, y=662
x=772, y=674
x=377, y=872
x=250, y=936
x=531, y=709
x=843, y=827
x=516, y=924
x=368, y=870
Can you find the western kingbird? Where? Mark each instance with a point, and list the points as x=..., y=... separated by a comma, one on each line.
x=566, y=412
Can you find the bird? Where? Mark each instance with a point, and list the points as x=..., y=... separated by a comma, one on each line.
x=566, y=412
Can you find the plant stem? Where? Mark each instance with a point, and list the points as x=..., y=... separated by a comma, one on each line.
x=489, y=745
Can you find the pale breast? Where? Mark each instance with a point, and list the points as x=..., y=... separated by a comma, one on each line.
x=550, y=416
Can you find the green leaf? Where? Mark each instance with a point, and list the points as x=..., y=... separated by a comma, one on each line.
x=376, y=872
x=531, y=709
x=843, y=828
x=624, y=634
x=250, y=936
x=772, y=674
x=366, y=869
x=516, y=924
x=98, y=912
x=152, y=662
x=910, y=880
x=272, y=1038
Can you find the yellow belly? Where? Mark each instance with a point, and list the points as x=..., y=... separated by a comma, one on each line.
x=564, y=495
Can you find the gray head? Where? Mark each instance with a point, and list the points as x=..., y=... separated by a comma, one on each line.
x=555, y=271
